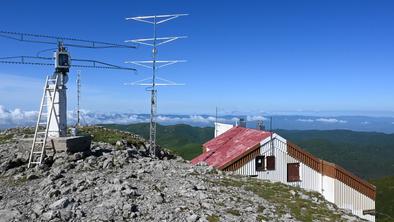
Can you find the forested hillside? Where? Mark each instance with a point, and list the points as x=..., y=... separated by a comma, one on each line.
x=385, y=198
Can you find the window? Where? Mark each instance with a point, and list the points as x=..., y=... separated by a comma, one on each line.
x=259, y=162
x=270, y=162
x=293, y=172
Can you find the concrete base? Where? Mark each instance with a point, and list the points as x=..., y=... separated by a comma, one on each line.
x=72, y=144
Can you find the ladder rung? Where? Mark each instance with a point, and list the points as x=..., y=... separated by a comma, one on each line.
x=39, y=142
x=35, y=162
x=41, y=132
x=38, y=152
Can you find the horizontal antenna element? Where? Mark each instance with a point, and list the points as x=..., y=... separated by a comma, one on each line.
x=148, y=63
x=143, y=82
x=54, y=40
x=82, y=63
x=156, y=19
x=159, y=41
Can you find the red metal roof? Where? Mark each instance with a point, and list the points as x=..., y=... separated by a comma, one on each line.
x=230, y=146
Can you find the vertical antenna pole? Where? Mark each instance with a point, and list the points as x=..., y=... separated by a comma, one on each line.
x=152, y=128
x=154, y=42
x=272, y=142
x=216, y=122
x=78, y=98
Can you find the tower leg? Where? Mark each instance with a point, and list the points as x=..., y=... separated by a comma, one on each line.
x=58, y=119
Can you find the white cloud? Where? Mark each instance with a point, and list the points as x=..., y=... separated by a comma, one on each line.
x=17, y=117
x=365, y=123
x=306, y=120
x=255, y=118
x=330, y=120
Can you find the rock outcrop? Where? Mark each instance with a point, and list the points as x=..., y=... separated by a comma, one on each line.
x=122, y=182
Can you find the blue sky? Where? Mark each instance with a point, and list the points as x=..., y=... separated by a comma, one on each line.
x=243, y=56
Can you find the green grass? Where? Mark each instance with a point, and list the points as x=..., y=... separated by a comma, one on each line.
x=234, y=212
x=5, y=138
x=279, y=195
x=213, y=218
x=99, y=134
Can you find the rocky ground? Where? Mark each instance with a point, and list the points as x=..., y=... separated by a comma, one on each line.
x=123, y=183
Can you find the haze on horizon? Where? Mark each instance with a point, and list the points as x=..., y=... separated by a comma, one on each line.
x=294, y=57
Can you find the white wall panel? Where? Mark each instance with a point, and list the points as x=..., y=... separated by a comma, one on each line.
x=349, y=198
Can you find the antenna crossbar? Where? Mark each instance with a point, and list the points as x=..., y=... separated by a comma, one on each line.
x=31, y=60
x=148, y=63
x=165, y=82
x=162, y=40
x=157, y=19
x=54, y=40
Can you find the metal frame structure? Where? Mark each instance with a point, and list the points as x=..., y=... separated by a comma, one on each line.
x=154, y=64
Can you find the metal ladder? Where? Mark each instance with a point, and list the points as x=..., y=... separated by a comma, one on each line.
x=38, y=147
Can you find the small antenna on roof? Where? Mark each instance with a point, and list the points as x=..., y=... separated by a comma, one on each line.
x=272, y=142
x=216, y=122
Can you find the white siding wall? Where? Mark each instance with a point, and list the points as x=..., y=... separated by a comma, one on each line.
x=221, y=128
x=310, y=179
x=328, y=190
x=347, y=197
x=332, y=189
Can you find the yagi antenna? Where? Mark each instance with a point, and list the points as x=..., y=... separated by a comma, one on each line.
x=54, y=40
x=154, y=64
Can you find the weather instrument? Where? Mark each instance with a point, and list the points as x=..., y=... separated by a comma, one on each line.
x=52, y=118
x=154, y=64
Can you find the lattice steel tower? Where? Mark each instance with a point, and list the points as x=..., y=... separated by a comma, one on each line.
x=154, y=64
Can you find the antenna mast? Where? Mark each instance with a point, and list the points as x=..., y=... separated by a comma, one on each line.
x=154, y=64
x=216, y=122
x=78, y=98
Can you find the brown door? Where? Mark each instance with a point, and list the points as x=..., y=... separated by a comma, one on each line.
x=293, y=172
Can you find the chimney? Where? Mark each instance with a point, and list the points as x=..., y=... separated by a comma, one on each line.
x=242, y=122
x=260, y=125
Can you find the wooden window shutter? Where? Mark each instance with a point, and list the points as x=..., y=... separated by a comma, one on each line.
x=259, y=163
x=270, y=162
x=293, y=172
